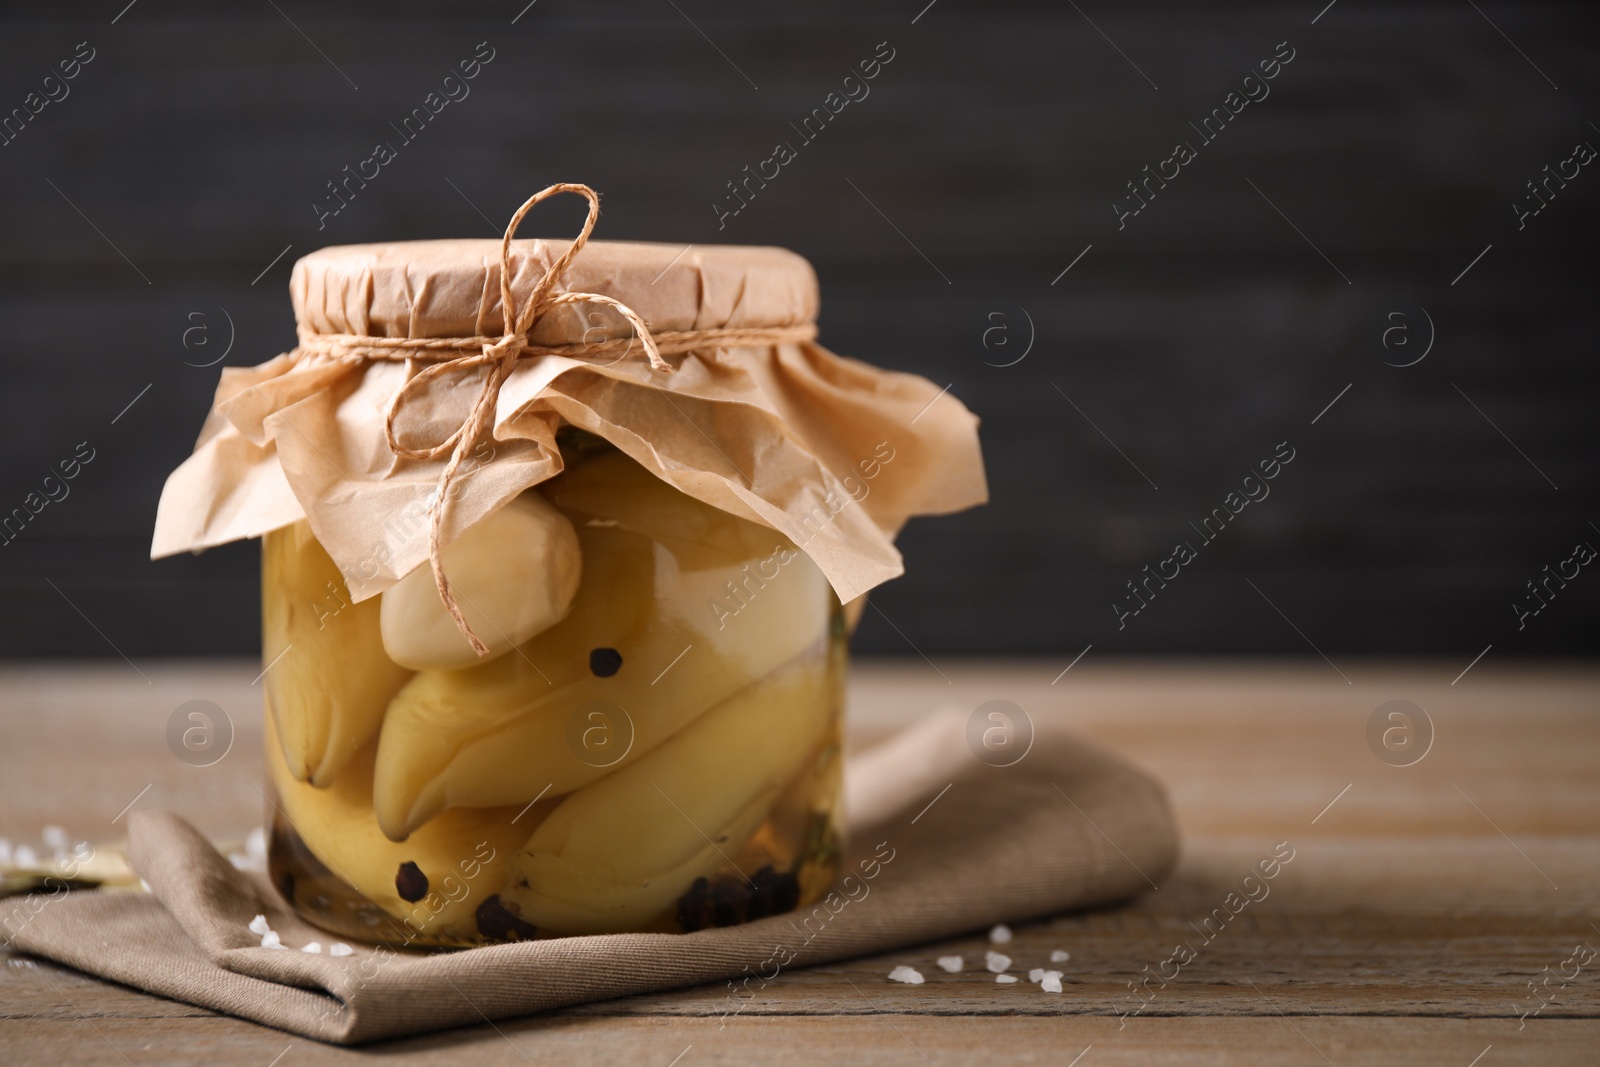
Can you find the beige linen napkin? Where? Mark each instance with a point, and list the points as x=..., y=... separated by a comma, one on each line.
x=1069, y=826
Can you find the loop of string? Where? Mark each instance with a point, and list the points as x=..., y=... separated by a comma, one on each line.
x=500, y=355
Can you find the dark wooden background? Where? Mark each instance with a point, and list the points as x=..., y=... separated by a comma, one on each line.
x=191, y=149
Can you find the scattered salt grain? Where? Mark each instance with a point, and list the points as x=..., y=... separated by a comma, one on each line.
x=54, y=837
x=270, y=939
x=1059, y=955
x=1000, y=935
x=339, y=948
x=25, y=856
x=315, y=948
x=996, y=961
x=145, y=886
x=1036, y=974
x=908, y=975
x=252, y=856
x=1007, y=978
x=953, y=964
x=259, y=926
x=1051, y=982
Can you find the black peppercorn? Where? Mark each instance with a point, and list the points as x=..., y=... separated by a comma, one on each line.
x=496, y=920
x=604, y=662
x=410, y=882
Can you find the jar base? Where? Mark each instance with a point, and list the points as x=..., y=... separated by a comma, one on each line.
x=787, y=865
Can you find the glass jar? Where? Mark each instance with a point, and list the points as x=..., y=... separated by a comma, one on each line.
x=663, y=754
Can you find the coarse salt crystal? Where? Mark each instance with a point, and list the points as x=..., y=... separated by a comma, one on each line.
x=314, y=948
x=248, y=859
x=908, y=975
x=1052, y=982
x=145, y=886
x=255, y=843
x=1059, y=955
x=339, y=948
x=1005, y=978
x=1036, y=974
x=953, y=964
x=25, y=856
x=996, y=961
x=259, y=926
x=1000, y=935
x=55, y=837
x=270, y=939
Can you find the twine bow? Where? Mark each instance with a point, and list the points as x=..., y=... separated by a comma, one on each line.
x=501, y=358
x=445, y=355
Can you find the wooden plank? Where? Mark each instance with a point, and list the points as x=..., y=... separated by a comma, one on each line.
x=79, y=743
x=1235, y=744
x=1417, y=909
x=887, y=1039
x=1244, y=748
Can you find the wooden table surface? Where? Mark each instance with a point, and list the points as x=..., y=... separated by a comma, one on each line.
x=1421, y=903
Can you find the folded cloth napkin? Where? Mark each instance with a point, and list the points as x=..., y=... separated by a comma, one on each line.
x=942, y=844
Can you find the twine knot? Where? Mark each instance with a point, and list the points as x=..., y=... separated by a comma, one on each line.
x=500, y=357
x=511, y=345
